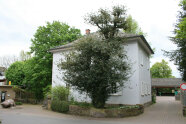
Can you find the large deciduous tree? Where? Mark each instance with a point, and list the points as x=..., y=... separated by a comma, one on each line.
x=46, y=37
x=161, y=70
x=179, y=55
x=97, y=65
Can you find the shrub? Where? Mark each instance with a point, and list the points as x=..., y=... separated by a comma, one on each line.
x=47, y=91
x=60, y=106
x=154, y=95
x=60, y=93
x=18, y=103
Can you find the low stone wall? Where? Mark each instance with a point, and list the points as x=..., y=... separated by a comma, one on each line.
x=104, y=113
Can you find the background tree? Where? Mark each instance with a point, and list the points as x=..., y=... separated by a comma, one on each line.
x=108, y=22
x=46, y=37
x=161, y=70
x=15, y=73
x=179, y=55
x=98, y=65
x=6, y=61
x=24, y=55
x=133, y=27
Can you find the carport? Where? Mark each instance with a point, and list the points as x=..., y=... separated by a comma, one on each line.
x=166, y=83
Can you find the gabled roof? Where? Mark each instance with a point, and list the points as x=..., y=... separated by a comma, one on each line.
x=128, y=36
x=166, y=82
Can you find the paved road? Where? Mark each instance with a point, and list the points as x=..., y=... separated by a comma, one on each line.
x=165, y=111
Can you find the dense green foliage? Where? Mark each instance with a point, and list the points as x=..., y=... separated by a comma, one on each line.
x=81, y=104
x=133, y=27
x=35, y=74
x=46, y=37
x=60, y=93
x=153, y=95
x=60, y=106
x=108, y=22
x=97, y=64
x=18, y=103
x=161, y=70
x=179, y=55
x=15, y=73
x=59, y=96
x=34, y=79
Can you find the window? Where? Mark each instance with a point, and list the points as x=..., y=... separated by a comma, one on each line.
x=114, y=90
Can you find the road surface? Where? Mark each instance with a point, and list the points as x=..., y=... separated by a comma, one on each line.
x=165, y=111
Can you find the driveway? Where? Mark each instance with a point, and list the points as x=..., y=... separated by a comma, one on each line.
x=165, y=111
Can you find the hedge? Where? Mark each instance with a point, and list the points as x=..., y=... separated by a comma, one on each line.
x=60, y=106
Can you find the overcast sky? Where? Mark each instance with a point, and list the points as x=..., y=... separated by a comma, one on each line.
x=19, y=20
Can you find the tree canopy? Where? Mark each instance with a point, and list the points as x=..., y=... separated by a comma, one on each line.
x=52, y=35
x=46, y=37
x=161, y=70
x=179, y=55
x=98, y=64
x=108, y=22
x=15, y=73
x=133, y=27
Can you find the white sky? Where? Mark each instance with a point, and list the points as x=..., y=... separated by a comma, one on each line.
x=19, y=20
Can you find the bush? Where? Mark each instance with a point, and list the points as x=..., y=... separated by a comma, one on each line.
x=18, y=103
x=60, y=106
x=153, y=95
x=60, y=93
x=47, y=91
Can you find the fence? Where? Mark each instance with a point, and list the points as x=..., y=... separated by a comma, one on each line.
x=24, y=96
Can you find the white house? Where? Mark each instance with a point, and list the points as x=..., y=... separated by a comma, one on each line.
x=137, y=90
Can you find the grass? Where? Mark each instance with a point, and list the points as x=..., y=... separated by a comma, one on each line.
x=82, y=104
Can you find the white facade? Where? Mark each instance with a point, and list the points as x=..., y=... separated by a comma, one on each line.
x=137, y=90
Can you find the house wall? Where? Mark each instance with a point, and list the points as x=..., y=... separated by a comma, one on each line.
x=57, y=79
x=130, y=91
x=129, y=94
x=137, y=90
x=144, y=75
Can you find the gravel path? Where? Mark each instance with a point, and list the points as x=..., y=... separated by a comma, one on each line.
x=165, y=111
